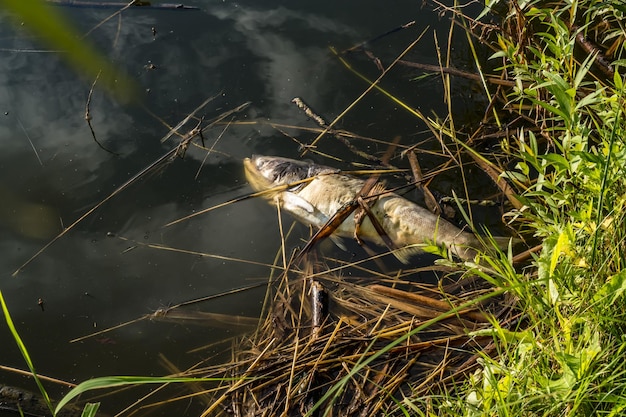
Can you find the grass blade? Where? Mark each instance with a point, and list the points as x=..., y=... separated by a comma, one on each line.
x=116, y=381
x=24, y=352
x=90, y=410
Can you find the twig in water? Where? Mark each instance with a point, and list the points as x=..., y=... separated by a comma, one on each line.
x=31, y=51
x=238, y=199
x=456, y=72
x=375, y=60
x=29, y=140
x=319, y=307
x=88, y=117
x=103, y=21
x=186, y=119
x=114, y=4
x=429, y=199
x=363, y=44
x=119, y=30
x=211, y=148
x=42, y=377
x=167, y=310
x=181, y=149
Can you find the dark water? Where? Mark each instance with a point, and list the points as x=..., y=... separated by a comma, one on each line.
x=265, y=52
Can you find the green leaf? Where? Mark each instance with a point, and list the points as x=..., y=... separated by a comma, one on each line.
x=523, y=167
x=569, y=366
x=618, y=408
x=556, y=160
x=612, y=289
x=552, y=109
x=617, y=79
x=619, y=63
x=589, y=157
x=564, y=101
x=562, y=246
x=592, y=98
x=90, y=410
x=588, y=355
x=553, y=292
x=116, y=381
x=584, y=69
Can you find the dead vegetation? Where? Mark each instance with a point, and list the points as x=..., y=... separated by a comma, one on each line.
x=360, y=346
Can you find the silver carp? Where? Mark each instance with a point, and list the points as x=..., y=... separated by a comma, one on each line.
x=327, y=191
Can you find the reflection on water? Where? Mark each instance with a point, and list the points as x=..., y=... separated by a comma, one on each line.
x=264, y=52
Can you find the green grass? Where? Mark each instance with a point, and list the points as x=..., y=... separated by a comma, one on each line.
x=566, y=356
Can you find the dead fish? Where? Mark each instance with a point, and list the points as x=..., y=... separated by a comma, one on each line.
x=327, y=191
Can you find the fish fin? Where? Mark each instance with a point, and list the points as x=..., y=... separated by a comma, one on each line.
x=339, y=242
x=293, y=202
x=378, y=188
x=404, y=254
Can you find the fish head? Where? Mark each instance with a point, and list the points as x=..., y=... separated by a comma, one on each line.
x=267, y=172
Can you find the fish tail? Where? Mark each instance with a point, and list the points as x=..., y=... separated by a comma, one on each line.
x=487, y=243
x=503, y=242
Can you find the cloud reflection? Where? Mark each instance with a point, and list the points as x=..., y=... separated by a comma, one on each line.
x=292, y=50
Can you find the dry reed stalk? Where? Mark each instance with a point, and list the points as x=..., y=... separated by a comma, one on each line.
x=307, y=357
x=442, y=306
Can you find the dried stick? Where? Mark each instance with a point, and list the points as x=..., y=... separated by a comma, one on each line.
x=88, y=117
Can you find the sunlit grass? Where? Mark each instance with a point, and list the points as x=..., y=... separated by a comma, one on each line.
x=563, y=356
x=117, y=381
x=24, y=352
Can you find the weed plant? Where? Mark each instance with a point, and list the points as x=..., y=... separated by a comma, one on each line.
x=565, y=355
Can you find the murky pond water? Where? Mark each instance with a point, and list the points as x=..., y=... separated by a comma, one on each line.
x=52, y=171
